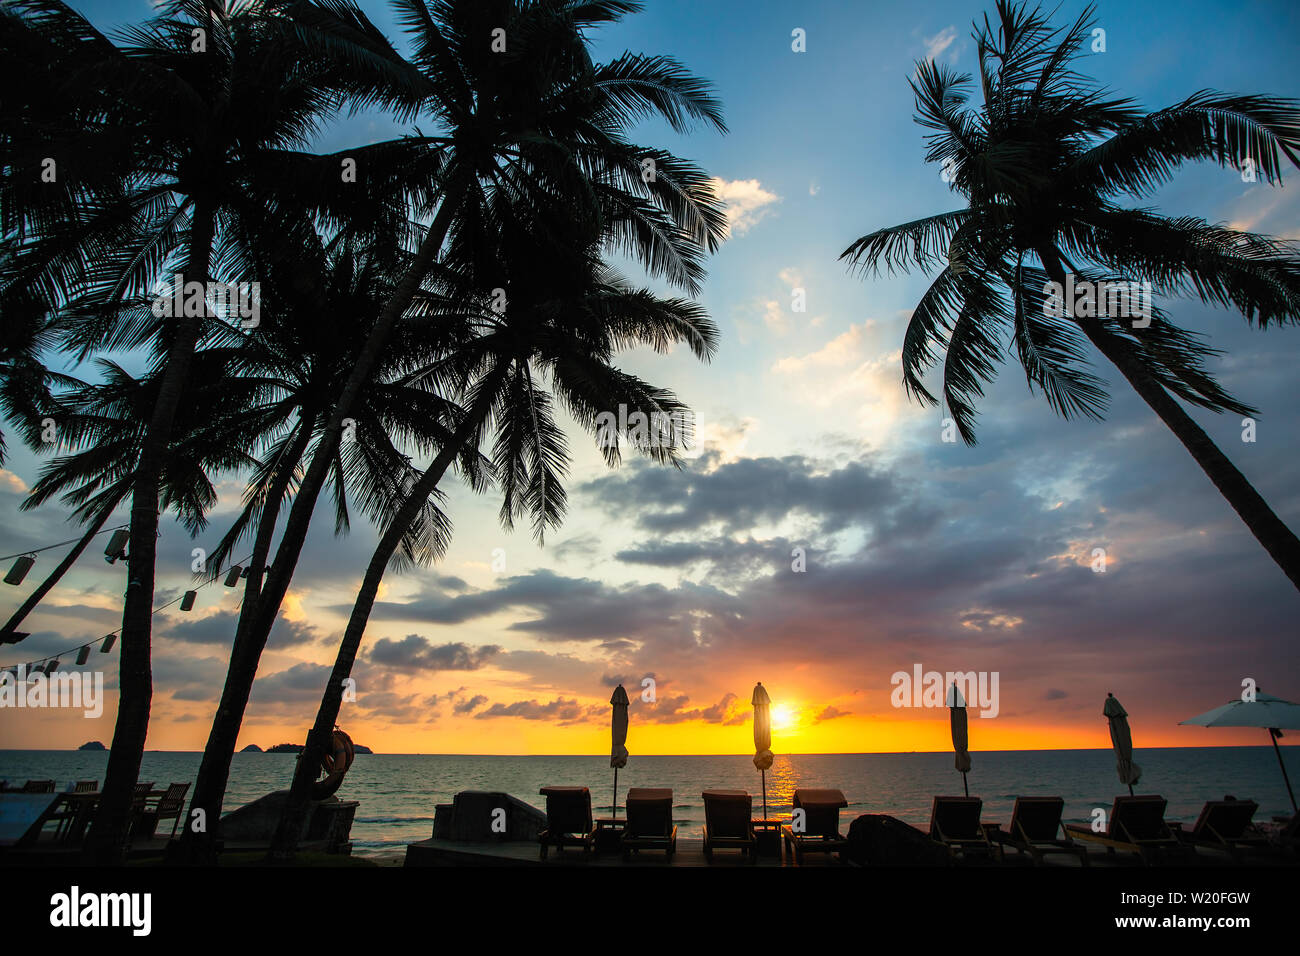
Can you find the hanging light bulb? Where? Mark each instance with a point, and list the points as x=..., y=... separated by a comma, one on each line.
x=232, y=576
x=20, y=569
x=82, y=655
x=109, y=641
x=54, y=665
x=117, y=545
x=187, y=602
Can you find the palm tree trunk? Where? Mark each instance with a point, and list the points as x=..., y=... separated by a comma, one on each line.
x=1278, y=540
x=245, y=655
x=293, y=817
x=304, y=502
x=110, y=832
x=57, y=574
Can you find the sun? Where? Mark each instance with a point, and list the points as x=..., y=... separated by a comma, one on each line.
x=783, y=716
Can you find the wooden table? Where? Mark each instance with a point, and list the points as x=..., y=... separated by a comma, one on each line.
x=768, y=835
x=609, y=832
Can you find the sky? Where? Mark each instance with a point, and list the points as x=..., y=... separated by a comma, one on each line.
x=913, y=551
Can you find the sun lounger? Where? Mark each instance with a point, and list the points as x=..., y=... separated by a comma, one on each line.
x=38, y=786
x=955, y=824
x=1226, y=824
x=1036, y=829
x=1136, y=824
x=649, y=821
x=819, y=831
x=728, y=823
x=568, y=819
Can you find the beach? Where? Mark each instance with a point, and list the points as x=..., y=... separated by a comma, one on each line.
x=398, y=792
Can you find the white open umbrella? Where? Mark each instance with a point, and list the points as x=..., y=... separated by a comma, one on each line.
x=762, y=736
x=618, y=736
x=960, y=737
x=1121, y=738
x=1264, y=710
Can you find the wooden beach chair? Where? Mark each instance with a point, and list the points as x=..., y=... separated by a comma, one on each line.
x=955, y=825
x=69, y=810
x=729, y=824
x=170, y=806
x=568, y=819
x=1136, y=825
x=649, y=822
x=38, y=786
x=821, y=824
x=1036, y=829
x=1228, y=825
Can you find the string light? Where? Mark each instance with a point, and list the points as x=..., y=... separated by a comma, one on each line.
x=59, y=544
x=83, y=650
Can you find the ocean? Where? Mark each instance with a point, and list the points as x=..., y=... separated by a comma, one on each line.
x=398, y=792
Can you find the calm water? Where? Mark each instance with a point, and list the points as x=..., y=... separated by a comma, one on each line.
x=398, y=792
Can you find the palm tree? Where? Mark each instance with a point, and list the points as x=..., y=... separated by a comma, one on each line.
x=568, y=314
x=1044, y=165
x=313, y=330
x=166, y=145
x=540, y=122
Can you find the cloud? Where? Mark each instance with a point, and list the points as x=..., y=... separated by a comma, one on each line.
x=414, y=652
x=830, y=713
x=219, y=628
x=12, y=483
x=469, y=705
x=747, y=203
x=941, y=41
x=563, y=711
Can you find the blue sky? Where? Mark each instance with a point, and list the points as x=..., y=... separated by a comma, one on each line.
x=919, y=550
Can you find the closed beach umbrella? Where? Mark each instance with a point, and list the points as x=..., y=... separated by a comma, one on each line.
x=618, y=736
x=1264, y=710
x=960, y=743
x=1121, y=738
x=762, y=736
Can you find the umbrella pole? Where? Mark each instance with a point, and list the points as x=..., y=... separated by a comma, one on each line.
x=764, y=775
x=963, y=783
x=615, y=791
x=1278, y=750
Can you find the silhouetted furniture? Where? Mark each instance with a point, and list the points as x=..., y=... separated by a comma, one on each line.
x=728, y=823
x=38, y=786
x=609, y=833
x=568, y=819
x=170, y=805
x=649, y=821
x=767, y=834
x=1136, y=824
x=817, y=828
x=68, y=812
x=955, y=824
x=1228, y=825
x=1036, y=829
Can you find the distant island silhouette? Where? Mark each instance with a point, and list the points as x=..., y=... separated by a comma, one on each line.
x=297, y=749
x=92, y=745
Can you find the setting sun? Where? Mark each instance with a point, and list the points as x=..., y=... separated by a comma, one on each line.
x=783, y=716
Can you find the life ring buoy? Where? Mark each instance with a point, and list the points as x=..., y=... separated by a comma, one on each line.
x=335, y=763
